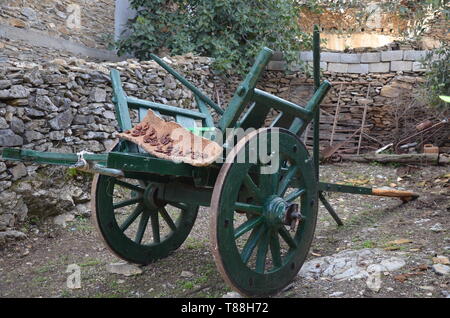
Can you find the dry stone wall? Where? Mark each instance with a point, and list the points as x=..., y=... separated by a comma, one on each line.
x=387, y=96
x=64, y=105
x=87, y=22
x=386, y=81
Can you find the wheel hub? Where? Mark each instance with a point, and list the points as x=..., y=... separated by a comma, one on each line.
x=278, y=212
x=150, y=197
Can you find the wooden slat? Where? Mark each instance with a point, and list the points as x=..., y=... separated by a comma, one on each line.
x=142, y=113
x=186, y=122
x=120, y=101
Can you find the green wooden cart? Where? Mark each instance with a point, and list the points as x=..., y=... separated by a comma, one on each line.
x=261, y=225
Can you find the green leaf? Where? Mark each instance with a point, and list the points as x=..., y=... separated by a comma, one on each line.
x=445, y=98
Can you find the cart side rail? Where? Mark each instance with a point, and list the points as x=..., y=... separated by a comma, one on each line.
x=123, y=103
x=120, y=101
x=198, y=93
x=244, y=93
x=135, y=103
x=55, y=158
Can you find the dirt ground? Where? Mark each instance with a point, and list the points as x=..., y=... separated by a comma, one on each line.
x=38, y=265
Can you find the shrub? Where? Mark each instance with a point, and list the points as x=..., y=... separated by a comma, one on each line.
x=437, y=77
x=230, y=31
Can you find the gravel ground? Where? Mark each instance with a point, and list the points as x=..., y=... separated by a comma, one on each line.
x=416, y=232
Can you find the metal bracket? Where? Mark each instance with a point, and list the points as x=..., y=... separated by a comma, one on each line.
x=89, y=166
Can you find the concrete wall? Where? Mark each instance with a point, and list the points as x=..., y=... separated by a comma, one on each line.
x=123, y=12
x=359, y=63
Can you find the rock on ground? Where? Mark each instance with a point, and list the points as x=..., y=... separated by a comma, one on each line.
x=125, y=269
x=437, y=228
x=11, y=236
x=232, y=295
x=352, y=264
x=63, y=219
x=186, y=274
x=441, y=269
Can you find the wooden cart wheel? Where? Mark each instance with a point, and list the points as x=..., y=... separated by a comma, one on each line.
x=259, y=245
x=134, y=225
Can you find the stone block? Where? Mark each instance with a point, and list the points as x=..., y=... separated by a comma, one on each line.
x=306, y=56
x=390, y=91
x=9, y=139
x=330, y=57
x=276, y=66
x=4, y=84
x=392, y=55
x=379, y=67
x=56, y=135
x=62, y=121
x=323, y=65
x=337, y=67
x=358, y=68
x=404, y=66
x=350, y=58
x=18, y=171
x=412, y=55
x=374, y=57
x=277, y=56
x=418, y=67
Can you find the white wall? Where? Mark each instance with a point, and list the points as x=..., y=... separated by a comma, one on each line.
x=123, y=12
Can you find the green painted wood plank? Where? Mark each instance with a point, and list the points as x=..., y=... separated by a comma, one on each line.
x=186, y=83
x=244, y=93
x=186, y=122
x=332, y=187
x=209, y=121
x=144, y=163
x=282, y=105
x=120, y=101
x=163, y=109
x=56, y=158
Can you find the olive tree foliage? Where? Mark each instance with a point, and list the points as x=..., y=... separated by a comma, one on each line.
x=230, y=31
x=419, y=15
x=437, y=78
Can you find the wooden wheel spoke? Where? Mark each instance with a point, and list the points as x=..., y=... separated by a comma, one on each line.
x=294, y=195
x=275, y=250
x=261, y=254
x=287, y=237
x=155, y=226
x=250, y=208
x=141, y=228
x=284, y=183
x=128, y=185
x=251, y=186
x=125, y=203
x=165, y=215
x=247, y=226
x=251, y=243
x=130, y=219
